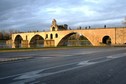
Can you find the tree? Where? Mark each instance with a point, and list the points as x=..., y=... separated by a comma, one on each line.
x=1, y=36
x=11, y=31
x=6, y=36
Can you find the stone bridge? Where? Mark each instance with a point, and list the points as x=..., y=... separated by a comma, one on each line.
x=59, y=34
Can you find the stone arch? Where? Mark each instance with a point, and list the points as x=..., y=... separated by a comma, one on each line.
x=64, y=41
x=106, y=40
x=84, y=40
x=37, y=41
x=17, y=41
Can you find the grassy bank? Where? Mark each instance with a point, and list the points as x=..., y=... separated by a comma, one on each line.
x=2, y=41
x=51, y=48
x=46, y=48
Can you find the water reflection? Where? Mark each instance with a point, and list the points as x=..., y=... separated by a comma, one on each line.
x=4, y=45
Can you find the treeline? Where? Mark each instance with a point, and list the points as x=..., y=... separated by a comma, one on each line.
x=5, y=36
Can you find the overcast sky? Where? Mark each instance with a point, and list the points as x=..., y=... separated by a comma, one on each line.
x=26, y=15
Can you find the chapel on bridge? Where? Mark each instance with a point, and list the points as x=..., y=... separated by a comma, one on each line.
x=55, y=27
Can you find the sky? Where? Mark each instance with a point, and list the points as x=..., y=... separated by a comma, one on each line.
x=31, y=15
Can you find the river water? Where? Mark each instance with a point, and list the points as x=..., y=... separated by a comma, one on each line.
x=4, y=45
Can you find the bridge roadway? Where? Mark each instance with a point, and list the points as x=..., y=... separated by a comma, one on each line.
x=66, y=66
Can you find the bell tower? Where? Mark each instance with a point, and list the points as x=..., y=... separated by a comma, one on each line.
x=54, y=22
x=54, y=26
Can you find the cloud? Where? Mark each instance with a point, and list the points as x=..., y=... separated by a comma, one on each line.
x=37, y=14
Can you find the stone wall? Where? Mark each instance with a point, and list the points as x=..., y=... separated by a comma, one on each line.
x=120, y=36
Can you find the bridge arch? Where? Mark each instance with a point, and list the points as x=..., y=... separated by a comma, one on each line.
x=106, y=40
x=36, y=41
x=17, y=41
x=76, y=40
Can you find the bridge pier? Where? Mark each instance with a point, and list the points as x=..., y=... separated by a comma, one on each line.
x=49, y=43
x=24, y=44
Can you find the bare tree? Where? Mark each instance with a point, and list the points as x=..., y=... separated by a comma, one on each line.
x=1, y=36
x=6, y=36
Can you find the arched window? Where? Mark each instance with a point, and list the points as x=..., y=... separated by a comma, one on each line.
x=53, y=29
x=51, y=36
x=56, y=35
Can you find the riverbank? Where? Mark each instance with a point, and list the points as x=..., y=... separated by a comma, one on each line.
x=50, y=48
x=35, y=49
